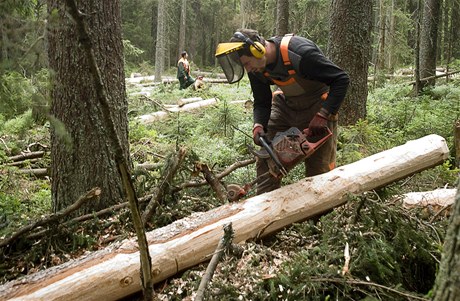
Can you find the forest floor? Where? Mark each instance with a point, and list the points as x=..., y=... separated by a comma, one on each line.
x=393, y=252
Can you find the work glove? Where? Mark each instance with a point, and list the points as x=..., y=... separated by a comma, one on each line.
x=318, y=125
x=257, y=132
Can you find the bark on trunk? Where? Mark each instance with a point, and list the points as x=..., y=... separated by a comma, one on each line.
x=350, y=36
x=113, y=273
x=446, y=287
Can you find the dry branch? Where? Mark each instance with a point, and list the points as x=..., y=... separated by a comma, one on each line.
x=213, y=181
x=219, y=176
x=171, y=169
x=224, y=243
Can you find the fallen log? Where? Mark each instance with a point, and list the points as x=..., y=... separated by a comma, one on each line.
x=433, y=203
x=435, y=198
x=113, y=273
x=25, y=156
x=149, y=118
x=184, y=101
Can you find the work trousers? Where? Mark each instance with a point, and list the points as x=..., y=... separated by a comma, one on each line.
x=185, y=81
x=284, y=115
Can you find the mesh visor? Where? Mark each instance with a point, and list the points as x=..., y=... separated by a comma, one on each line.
x=231, y=64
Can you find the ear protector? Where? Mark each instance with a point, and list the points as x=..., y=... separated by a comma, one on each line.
x=256, y=48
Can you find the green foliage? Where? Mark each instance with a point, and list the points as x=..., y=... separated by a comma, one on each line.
x=21, y=200
x=361, y=140
x=139, y=131
x=387, y=246
x=15, y=94
x=404, y=118
x=19, y=125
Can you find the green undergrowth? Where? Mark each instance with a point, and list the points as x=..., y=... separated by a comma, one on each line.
x=393, y=253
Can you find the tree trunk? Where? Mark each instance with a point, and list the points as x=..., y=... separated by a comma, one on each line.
x=417, y=86
x=182, y=27
x=447, y=286
x=282, y=17
x=350, y=36
x=391, y=37
x=382, y=36
x=81, y=152
x=428, y=39
x=455, y=25
x=5, y=42
x=113, y=273
x=160, y=41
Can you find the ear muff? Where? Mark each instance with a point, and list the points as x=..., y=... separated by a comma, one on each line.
x=256, y=48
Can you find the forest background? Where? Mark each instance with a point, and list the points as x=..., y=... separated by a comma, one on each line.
x=407, y=41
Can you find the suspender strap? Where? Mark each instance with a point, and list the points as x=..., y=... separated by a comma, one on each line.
x=284, y=49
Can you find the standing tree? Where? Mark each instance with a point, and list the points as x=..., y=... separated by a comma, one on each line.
x=447, y=286
x=382, y=26
x=428, y=39
x=350, y=37
x=182, y=27
x=455, y=32
x=282, y=17
x=160, y=44
x=81, y=152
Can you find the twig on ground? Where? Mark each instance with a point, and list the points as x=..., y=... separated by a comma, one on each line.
x=223, y=244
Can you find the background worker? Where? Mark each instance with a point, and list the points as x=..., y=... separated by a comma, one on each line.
x=310, y=90
x=183, y=71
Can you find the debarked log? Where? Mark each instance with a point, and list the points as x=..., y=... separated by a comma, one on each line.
x=113, y=273
x=437, y=198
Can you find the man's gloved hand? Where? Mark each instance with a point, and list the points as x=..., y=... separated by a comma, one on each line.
x=257, y=132
x=318, y=124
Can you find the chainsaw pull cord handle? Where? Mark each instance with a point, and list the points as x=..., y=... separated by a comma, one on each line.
x=272, y=155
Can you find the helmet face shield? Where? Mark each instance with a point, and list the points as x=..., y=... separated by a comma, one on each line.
x=231, y=64
x=229, y=60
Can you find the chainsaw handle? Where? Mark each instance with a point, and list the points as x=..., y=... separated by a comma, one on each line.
x=316, y=144
x=272, y=155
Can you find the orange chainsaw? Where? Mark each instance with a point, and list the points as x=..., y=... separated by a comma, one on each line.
x=287, y=149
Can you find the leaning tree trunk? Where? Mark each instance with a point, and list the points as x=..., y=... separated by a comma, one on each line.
x=447, y=286
x=428, y=39
x=113, y=273
x=81, y=153
x=350, y=37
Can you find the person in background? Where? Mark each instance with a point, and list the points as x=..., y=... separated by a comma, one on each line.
x=183, y=71
x=309, y=90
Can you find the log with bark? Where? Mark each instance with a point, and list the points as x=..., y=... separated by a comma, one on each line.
x=113, y=273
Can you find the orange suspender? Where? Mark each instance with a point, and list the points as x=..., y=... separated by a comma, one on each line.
x=284, y=50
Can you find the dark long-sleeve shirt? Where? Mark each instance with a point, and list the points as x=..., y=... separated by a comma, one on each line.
x=313, y=65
